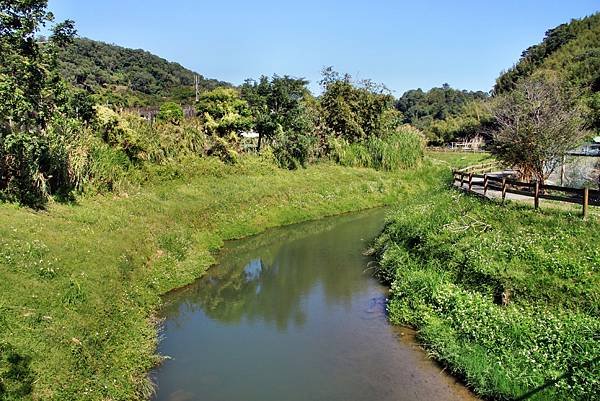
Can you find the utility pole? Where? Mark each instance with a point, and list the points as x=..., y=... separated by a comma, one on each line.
x=197, y=85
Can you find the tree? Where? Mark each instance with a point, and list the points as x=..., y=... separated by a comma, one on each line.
x=30, y=94
x=356, y=111
x=277, y=105
x=224, y=111
x=536, y=124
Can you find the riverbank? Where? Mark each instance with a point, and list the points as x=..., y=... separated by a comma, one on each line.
x=80, y=282
x=506, y=297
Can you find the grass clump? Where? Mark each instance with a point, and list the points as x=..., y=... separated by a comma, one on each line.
x=398, y=150
x=507, y=297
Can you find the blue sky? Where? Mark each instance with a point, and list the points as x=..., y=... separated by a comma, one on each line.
x=403, y=44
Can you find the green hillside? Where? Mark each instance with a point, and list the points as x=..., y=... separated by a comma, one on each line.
x=573, y=51
x=128, y=77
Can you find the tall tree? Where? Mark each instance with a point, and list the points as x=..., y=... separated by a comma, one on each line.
x=30, y=92
x=355, y=111
x=277, y=104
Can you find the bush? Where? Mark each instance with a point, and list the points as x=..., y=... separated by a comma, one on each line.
x=225, y=149
x=291, y=150
x=171, y=112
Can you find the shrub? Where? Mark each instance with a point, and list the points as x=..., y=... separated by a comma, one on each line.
x=225, y=149
x=171, y=112
x=291, y=149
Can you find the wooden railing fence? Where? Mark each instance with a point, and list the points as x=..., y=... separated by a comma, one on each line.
x=472, y=177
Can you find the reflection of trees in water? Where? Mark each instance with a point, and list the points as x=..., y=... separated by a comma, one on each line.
x=268, y=282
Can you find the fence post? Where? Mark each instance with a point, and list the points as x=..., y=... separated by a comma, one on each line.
x=485, y=184
x=503, y=189
x=470, y=181
x=562, y=170
x=536, y=198
x=586, y=200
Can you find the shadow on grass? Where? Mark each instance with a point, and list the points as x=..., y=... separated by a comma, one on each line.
x=569, y=373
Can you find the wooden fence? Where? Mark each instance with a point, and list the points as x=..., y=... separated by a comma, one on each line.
x=457, y=150
x=472, y=177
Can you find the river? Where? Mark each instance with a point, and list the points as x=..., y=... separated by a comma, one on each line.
x=294, y=314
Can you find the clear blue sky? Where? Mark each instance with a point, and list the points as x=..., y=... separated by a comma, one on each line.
x=403, y=44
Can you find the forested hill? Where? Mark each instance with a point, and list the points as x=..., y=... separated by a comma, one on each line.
x=128, y=77
x=571, y=49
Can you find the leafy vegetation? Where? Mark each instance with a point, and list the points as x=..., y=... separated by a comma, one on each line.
x=32, y=161
x=277, y=104
x=508, y=300
x=356, y=111
x=224, y=112
x=127, y=77
x=444, y=113
x=171, y=112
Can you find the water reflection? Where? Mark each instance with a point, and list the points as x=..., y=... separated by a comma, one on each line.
x=269, y=282
x=292, y=315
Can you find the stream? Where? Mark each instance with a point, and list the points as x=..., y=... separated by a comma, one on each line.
x=294, y=314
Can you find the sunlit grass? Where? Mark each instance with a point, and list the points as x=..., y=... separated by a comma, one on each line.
x=453, y=260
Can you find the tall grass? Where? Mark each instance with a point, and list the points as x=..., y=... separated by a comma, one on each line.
x=399, y=150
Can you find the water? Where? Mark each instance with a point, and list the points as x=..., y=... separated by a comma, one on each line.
x=294, y=314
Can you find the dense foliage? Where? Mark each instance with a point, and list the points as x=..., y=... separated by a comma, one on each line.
x=171, y=112
x=356, y=111
x=361, y=127
x=283, y=117
x=224, y=112
x=444, y=113
x=32, y=96
x=506, y=299
x=571, y=50
x=127, y=77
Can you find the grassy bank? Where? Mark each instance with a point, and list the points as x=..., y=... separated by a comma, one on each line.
x=506, y=297
x=80, y=282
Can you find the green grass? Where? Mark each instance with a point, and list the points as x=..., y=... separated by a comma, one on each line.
x=80, y=282
x=457, y=159
x=450, y=257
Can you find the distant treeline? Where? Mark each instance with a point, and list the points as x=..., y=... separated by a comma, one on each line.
x=128, y=77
